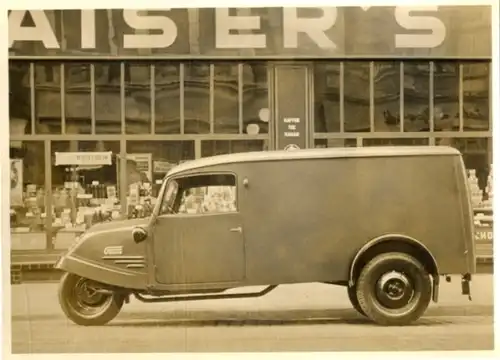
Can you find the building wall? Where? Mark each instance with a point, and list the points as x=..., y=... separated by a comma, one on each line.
x=169, y=104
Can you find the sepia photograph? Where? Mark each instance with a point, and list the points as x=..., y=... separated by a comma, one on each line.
x=251, y=179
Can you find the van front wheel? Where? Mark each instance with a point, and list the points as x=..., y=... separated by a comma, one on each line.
x=394, y=289
x=353, y=298
x=83, y=305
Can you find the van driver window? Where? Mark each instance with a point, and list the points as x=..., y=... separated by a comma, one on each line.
x=202, y=194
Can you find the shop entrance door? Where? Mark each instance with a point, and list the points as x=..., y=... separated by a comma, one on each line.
x=291, y=105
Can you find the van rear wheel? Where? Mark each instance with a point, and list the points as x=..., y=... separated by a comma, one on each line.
x=394, y=289
x=83, y=305
x=353, y=298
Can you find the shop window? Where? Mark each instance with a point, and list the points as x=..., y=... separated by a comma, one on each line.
x=137, y=98
x=85, y=186
x=108, y=97
x=147, y=164
x=416, y=96
x=27, y=196
x=167, y=98
x=477, y=155
x=387, y=96
x=226, y=95
x=77, y=98
x=333, y=143
x=196, y=98
x=47, y=81
x=396, y=142
x=255, y=97
x=476, y=97
x=19, y=98
x=446, y=96
x=327, y=97
x=357, y=96
x=221, y=147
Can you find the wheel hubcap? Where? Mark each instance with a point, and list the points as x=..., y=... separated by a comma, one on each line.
x=394, y=290
x=87, y=300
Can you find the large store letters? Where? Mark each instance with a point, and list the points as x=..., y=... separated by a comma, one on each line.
x=226, y=25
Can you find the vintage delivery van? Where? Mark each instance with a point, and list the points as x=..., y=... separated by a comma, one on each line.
x=384, y=222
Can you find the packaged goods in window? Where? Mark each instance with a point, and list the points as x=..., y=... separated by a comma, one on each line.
x=475, y=190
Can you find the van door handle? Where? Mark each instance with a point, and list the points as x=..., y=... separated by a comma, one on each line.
x=236, y=229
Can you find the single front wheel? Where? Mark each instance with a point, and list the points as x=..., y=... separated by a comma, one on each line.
x=394, y=289
x=84, y=305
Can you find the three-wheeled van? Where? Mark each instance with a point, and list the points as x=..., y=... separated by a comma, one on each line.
x=384, y=222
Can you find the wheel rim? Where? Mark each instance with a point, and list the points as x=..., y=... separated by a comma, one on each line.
x=87, y=301
x=394, y=290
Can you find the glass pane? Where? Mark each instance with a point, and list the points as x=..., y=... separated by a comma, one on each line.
x=19, y=98
x=331, y=143
x=107, y=101
x=416, y=96
x=48, y=97
x=477, y=155
x=27, y=195
x=196, y=98
x=476, y=96
x=446, y=96
x=357, y=96
x=83, y=194
x=226, y=98
x=326, y=97
x=167, y=102
x=256, y=114
x=137, y=98
x=78, y=103
x=386, y=85
x=396, y=142
x=220, y=147
x=147, y=164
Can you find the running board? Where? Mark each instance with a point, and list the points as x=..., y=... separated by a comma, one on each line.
x=267, y=290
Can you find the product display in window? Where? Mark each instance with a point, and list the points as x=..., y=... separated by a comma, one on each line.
x=483, y=209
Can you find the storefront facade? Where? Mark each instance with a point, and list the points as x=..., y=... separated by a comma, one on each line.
x=104, y=100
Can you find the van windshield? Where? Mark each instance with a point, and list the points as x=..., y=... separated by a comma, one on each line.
x=168, y=201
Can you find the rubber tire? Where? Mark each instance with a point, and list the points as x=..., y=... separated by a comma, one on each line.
x=366, y=296
x=66, y=285
x=353, y=298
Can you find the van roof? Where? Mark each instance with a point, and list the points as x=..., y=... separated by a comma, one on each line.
x=317, y=153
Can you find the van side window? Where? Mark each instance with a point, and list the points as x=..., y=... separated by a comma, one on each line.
x=207, y=194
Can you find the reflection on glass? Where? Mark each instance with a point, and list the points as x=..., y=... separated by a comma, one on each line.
x=77, y=98
x=196, y=98
x=27, y=195
x=147, y=164
x=107, y=101
x=137, y=98
x=386, y=85
x=167, y=101
x=226, y=98
x=83, y=195
x=416, y=96
x=221, y=147
x=357, y=96
x=476, y=85
x=256, y=114
x=396, y=142
x=326, y=97
x=333, y=143
x=48, y=97
x=446, y=96
x=19, y=98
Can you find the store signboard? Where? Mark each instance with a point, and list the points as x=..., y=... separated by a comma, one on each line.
x=291, y=107
x=84, y=158
x=425, y=31
x=484, y=234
